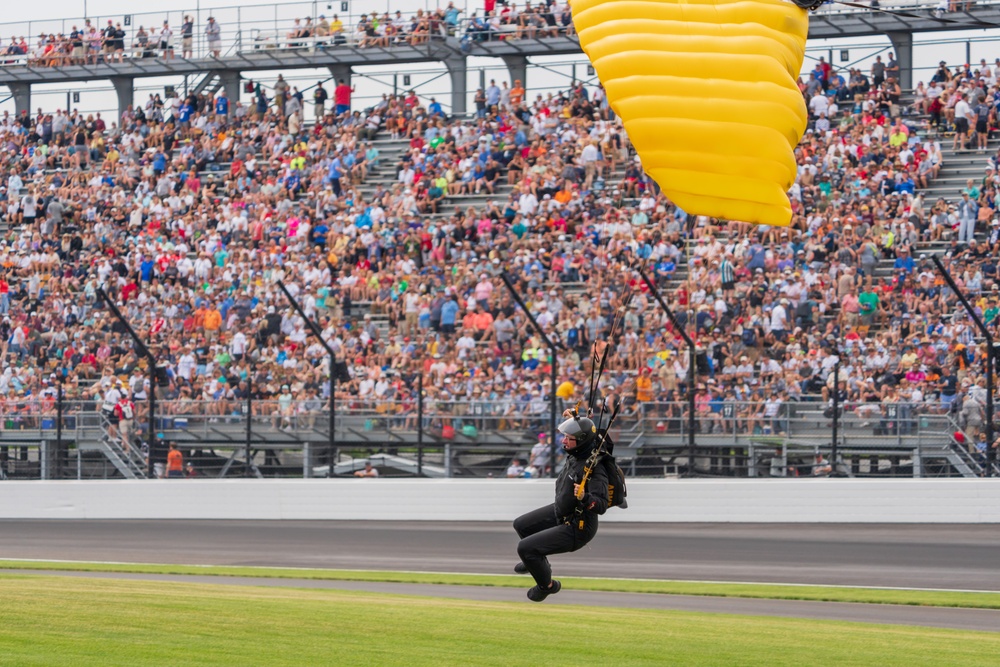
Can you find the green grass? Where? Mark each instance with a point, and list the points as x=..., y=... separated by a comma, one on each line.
x=944, y=598
x=52, y=620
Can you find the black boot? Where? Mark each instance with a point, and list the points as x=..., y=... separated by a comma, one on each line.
x=538, y=594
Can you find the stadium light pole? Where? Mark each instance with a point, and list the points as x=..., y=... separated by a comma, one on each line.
x=692, y=361
x=151, y=361
x=990, y=352
x=316, y=331
x=552, y=379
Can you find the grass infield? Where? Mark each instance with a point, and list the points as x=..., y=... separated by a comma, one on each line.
x=928, y=598
x=52, y=620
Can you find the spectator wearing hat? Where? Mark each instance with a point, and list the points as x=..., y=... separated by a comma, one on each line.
x=213, y=37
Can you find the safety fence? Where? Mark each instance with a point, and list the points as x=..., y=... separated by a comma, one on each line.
x=291, y=437
x=240, y=28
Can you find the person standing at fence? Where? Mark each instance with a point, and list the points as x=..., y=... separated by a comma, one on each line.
x=175, y=462
x=213, y=35
x=281, y=89
x=342, y=97
x=540, y=454
x=108, y=42
x=568, y=524
x=320, y=96
x=166, y=41
x=187, y=37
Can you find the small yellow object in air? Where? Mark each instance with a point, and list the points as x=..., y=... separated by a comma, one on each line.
x=707, y=92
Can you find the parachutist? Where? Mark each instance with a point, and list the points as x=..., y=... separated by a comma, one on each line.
x=569, y=523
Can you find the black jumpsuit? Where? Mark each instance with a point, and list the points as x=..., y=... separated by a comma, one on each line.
x=558, y=528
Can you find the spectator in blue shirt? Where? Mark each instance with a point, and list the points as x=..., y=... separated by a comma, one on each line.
x=222, y=104
x=451, y=15
x=159, y=162
x=904, y=262
x=449, y=311
x=184, y=114
x=333, y=175
x=146, y=269
x=434, y=108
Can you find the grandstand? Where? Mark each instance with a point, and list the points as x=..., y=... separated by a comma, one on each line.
x=391, y=224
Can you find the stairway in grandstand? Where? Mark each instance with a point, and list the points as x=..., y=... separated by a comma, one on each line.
x=385, y=177
x=130, y=464
x=957, y=168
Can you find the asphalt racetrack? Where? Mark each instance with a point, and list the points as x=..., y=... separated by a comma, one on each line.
x=910, y=556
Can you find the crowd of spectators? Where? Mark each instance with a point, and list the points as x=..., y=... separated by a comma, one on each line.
x=188, y=212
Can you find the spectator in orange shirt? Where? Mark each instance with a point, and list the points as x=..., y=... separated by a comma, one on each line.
x=644, y=387
x=482, y=322
x=199, y=317
x=175, y=462
x=516, y=93
x=213, y=322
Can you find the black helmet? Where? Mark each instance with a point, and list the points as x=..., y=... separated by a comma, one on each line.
x=583, y=430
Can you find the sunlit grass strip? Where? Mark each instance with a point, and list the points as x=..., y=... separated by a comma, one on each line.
x=926, y=598
x=53, y=620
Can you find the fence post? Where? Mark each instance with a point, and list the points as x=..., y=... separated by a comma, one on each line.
x=59, y=420
x=836, y=413
x=249, y=417
x=332, y=440
x=420, y=424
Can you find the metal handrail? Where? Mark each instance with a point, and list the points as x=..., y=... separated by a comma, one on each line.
x=235, y=22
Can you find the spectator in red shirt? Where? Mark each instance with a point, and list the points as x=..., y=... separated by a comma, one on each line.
x=342, y=97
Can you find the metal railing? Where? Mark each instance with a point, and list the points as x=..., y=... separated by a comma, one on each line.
x=289, y=437
x=242, y=27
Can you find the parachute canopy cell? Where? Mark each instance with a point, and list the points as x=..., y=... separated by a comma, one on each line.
x=707, y=92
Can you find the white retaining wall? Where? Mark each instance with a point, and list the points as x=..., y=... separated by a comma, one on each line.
x=769, y=501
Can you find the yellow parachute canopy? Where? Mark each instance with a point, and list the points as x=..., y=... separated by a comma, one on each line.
x=706, y=90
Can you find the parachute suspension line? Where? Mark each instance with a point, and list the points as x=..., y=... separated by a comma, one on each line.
x=625, y=298
x=595, y=358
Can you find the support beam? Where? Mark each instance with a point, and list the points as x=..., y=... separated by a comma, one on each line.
x=458, y=72
x=339, y=72
x=125, y=92
x=21, y=92
x=231, y=84
x=518, y=68
x=902, y=42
